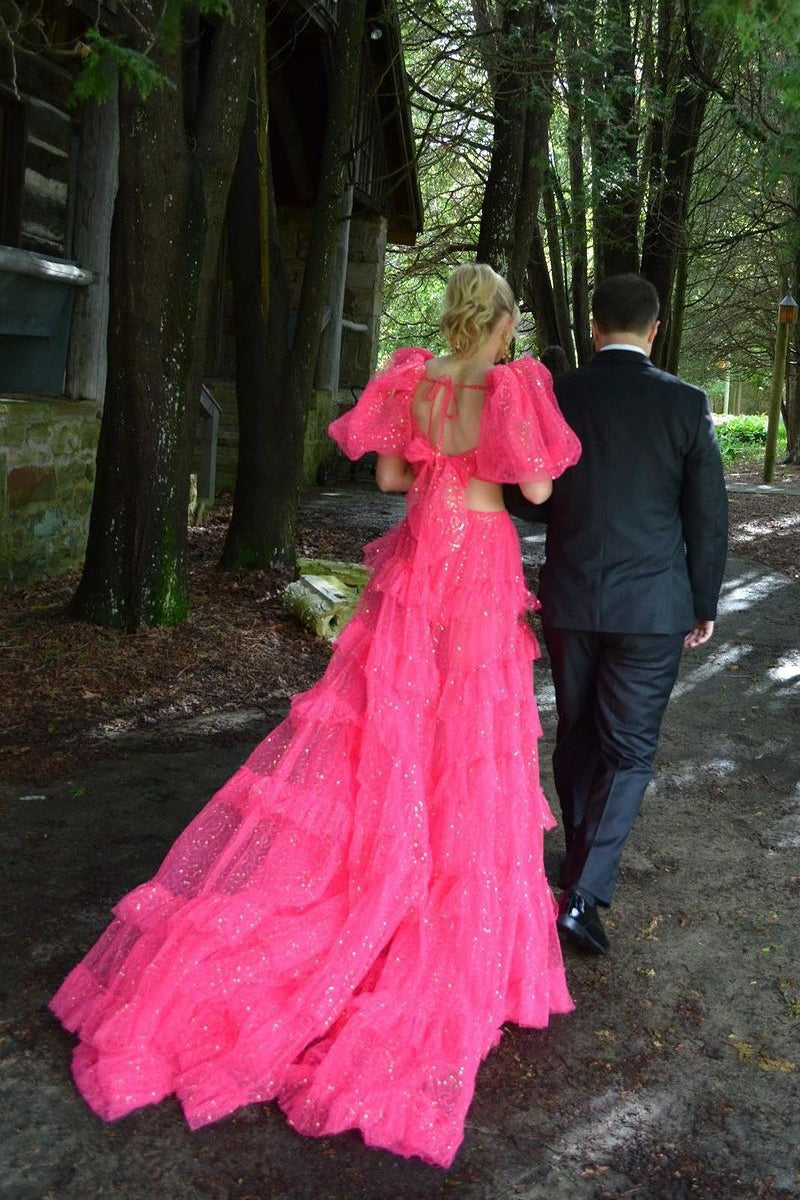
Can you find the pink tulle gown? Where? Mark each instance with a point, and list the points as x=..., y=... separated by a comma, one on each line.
x=349, y=921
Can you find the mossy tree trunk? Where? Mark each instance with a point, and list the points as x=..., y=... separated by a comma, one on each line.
x=274, y=380
x=177, y=154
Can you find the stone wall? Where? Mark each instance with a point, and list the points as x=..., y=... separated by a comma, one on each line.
x=47, y=465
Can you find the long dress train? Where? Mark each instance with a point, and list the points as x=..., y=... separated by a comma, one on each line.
x=351, y=919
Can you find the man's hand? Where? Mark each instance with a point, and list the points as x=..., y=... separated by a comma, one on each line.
x=701, y=633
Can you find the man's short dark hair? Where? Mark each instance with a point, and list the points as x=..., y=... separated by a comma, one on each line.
x=623, y=302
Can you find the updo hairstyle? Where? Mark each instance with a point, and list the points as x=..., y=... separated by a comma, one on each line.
x=476, y=298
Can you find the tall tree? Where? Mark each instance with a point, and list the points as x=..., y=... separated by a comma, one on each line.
x=178, y=150
x=575, y=229
x=610, y=58
x=675, y=138
x=275, y=371
x=520, y=59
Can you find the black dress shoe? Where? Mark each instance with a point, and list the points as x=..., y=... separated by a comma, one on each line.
x=578, y=919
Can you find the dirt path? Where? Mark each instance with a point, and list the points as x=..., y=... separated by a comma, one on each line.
x=677, y=1075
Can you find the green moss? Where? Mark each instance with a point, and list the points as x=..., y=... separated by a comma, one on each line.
x=168, y=600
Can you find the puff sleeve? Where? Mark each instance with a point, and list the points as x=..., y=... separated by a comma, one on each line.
x=524, y=437
x=381, y=418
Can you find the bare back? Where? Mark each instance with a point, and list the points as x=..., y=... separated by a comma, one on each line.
x=446, y=407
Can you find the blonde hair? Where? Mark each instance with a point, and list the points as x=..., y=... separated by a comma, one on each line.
x=476, y=298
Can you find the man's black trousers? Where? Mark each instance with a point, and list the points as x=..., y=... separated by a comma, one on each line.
x=611, y=693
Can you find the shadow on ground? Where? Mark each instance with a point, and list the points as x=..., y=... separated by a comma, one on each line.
x=675, y=1077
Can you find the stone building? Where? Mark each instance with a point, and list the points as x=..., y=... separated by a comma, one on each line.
x=57, y=186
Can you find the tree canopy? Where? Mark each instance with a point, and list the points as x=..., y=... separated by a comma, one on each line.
x=670, y=148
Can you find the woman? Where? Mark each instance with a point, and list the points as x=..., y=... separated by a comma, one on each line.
x=351, y=919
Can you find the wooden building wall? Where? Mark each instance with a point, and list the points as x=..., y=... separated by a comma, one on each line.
x=39, y=137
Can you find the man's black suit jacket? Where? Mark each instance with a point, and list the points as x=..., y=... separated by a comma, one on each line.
x=637, y=530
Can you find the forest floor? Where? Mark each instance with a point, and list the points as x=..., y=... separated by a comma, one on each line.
x=676, y=1076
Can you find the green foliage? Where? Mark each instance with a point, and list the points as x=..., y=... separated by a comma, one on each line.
x=757, y=19
x=743, y=223
x=745, y=438
x=105, y=61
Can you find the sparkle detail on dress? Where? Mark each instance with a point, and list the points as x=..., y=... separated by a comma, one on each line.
x=351, y=919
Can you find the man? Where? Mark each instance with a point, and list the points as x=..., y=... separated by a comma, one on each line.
x=636, y=544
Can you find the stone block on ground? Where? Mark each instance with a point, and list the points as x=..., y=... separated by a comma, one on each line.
x=325, y=595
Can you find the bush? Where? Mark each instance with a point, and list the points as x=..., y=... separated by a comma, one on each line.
x=746, y=438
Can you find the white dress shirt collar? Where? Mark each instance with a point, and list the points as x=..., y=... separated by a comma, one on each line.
x=622, y=346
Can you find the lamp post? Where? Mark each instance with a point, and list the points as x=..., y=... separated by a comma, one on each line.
x=787, y=315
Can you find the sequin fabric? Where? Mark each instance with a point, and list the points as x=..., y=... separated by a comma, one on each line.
x=351, y=919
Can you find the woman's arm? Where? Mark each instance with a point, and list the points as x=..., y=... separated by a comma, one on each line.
x=393, y=473
x=537, y=492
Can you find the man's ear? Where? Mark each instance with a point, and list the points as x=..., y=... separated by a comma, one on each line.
x=654, y=328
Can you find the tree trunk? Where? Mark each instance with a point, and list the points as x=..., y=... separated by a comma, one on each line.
x=673, y=351
x=578, y=237
x=262, y=529
x=329, y=360
x=668, y=203
x=675, y=137
x=540, y=295
x=94, y=209
x=522, y=104
x=165, y=239
x=614, y=140
x=792, y=417
x=269, y=429
x=554, y=250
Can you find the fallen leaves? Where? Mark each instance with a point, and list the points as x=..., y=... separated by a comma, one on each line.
x=650, y=932
x=767, y=1063
x=747, y=1051
x=65, y=684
